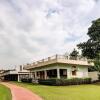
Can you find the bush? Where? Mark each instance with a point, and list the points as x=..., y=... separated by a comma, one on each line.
x=26, y=80
x=99, y=77
x=64, y=82
x=47, y=81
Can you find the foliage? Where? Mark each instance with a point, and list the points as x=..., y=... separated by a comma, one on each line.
x=97, y=65
x=91, y=48
x=99, y=77
x=64, y=82
x=26, y=80
x=74, y=54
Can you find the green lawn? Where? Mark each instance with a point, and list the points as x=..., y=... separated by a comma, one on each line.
x=81, y=92
x=5, y=93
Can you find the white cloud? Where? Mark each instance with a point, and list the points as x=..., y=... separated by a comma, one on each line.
x=32, y=29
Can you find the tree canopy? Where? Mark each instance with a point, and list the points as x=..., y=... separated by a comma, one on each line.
x=91, y=48
x=74, y=54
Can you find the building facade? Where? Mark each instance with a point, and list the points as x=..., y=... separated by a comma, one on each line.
x=59, y=67
x=15, y=74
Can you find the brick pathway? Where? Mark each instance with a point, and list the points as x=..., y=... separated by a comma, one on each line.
x=20, y=93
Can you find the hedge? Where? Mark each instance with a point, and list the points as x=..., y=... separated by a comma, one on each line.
x=64, y=82
x=26, y=80
x=99, y=76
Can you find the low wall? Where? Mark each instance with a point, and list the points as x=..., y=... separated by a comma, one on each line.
x=93, y=75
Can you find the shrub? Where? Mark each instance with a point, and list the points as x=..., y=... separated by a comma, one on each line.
x=47, y=81
x=26, y=80
x=64, y=82
x=99, y=77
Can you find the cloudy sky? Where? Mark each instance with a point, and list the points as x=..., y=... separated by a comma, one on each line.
x=34, y=29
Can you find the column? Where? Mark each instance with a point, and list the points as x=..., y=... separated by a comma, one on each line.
x=31, y=74
x=58, y=73
x=18, y=78
x=45, y=74
x=35, y=75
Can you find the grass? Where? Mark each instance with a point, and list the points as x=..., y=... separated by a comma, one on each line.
x=78, y=92
x=5, y=93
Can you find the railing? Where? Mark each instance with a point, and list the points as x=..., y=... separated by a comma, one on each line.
x=61, y=57
x=55, y=57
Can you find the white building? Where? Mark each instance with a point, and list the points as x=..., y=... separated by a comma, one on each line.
x=15, y=74
x=59, y=67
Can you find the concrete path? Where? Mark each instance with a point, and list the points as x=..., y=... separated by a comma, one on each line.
x=20, y=93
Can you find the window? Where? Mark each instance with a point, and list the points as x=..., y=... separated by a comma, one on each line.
x=74, y=70
x=74, y=73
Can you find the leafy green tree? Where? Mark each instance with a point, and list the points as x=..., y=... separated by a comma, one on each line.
x=74, y=54
x=96, y=67
x=97, y=63
x=91, y=48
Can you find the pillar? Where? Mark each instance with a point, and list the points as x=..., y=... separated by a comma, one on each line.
x=45, y=74
x=18, y=78
x=35, y=75
x=58, y=73
x=30, y=74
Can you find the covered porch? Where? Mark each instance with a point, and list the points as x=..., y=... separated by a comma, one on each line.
x=10, y=77
x=51, y=73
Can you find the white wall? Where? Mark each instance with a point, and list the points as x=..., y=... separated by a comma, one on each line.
x=82, y=71
x=19, y=70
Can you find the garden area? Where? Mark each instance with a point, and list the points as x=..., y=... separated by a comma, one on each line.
x=74, y=92
x=5, y=93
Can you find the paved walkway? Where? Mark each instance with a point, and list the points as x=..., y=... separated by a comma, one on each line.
x=20, y=93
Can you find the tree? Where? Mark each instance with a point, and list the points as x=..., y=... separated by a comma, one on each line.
x=91, y=48
x=74, y=54
x=97, y=63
